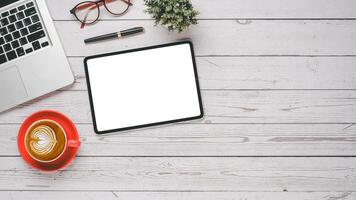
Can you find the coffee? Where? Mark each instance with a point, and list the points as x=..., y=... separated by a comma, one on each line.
x=45, y=140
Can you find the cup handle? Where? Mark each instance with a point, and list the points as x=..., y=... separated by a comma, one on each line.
x=73, y=143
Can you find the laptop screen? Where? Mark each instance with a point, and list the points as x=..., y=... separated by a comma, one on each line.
x=4, y=3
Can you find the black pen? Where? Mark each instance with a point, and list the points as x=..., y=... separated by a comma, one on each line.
x=119, y=34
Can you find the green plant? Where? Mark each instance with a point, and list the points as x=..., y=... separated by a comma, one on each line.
x=174, y=14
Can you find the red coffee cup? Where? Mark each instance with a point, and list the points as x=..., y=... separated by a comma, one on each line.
x=71, y=146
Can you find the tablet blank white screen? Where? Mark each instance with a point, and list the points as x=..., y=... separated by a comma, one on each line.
x=143, y=87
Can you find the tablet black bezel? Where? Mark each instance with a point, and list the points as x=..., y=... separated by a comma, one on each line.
x=150, y=124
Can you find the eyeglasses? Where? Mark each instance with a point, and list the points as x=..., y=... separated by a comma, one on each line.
x=88, y=12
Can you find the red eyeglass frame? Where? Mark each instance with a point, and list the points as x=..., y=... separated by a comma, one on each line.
x=98, y=4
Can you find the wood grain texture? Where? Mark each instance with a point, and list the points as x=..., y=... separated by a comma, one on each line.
x=232, y=106
x=186, y=174
x=210, y=140
x=232, y=9
x=74, y=195
x=278, y=79
x=225, y=73
x=223, y=37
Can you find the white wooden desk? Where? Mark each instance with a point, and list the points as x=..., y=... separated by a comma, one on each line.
x=278, y=83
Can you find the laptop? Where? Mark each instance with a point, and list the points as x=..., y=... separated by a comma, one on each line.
x=32, y=60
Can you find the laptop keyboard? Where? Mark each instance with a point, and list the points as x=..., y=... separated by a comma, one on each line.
x=21, y=32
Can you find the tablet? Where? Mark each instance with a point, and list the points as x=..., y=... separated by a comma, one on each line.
x=143, y=87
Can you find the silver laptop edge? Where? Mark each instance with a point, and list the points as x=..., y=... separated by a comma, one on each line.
x=37, y=73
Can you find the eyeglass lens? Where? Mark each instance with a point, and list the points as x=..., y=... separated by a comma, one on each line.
x=87, y=12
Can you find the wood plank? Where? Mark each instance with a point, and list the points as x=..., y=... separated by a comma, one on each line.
x=79, y=195
x=223, y=37
x=232, y=9
x=210, y=140
x=262, y=73
x=186, y=174
x=230, y=106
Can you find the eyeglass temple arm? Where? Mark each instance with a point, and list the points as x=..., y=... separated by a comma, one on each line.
x=85, y=18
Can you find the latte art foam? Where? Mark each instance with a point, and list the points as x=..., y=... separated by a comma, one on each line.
x=42, y=140
x=45, y=140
